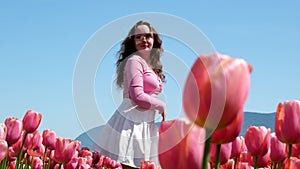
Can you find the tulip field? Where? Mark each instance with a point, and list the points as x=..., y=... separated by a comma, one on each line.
x=209, y=138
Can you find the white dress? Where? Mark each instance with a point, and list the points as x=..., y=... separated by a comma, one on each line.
x=131, y=136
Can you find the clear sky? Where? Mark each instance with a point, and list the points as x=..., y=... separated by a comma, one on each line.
x=41, y=43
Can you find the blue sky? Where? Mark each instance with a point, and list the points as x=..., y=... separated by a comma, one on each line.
x=41, y=41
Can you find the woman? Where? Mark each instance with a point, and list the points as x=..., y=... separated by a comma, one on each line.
x=130, y=136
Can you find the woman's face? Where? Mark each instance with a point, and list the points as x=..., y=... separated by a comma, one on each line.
x=143, y=39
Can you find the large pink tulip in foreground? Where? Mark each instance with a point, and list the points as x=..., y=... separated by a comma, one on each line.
x=216, y=90
x=180, y=145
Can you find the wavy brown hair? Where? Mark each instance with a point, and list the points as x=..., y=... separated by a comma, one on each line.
x=128, y=48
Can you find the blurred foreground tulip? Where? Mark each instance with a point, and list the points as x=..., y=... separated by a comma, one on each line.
x=31, y=121
x=181, y=144
x=287, y=126
x=14, y=130
x=216, y=90
x=230, y=132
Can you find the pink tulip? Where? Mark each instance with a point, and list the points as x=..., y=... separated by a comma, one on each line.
x=237, y=146
x=262, y=161
x=11, y=154
x=243, y=165
x=3, y=149
x=278, y=149
x=3, y=131
x=230, y=132
x=14, y=130
x=82, y=163
x=225, y=153
x=292, y=163
x=244, y=156
x=257, y=140
x=216, y=90
x=181, y=144
x=37, y=163
x=31, y=121
x=148, y=165
x=228, y=165
x=296, y=150
x=287, y=126
x=12, y=165
x=72, y=164
x=64, y=150
x=49, y=138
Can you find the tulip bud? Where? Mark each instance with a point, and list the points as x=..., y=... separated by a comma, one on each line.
x=31, y=121
x=14, y=130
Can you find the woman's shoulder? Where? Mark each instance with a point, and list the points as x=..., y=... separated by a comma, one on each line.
x=136, y=58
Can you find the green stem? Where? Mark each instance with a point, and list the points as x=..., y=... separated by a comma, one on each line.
x=274, y=165
x=290, y=150
x=255, y=162
x=49, y=163
x=59, y=167
x=3, y=163
x=218, y=152
x=206, y=157
x=20, y=152
x=44, y=160
x=279, y=165
x=235, y=161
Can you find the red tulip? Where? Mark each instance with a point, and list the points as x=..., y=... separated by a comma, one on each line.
x=3, y=149
x=64, y=150
x=181, y=144
x=230, y=132
x=216, y=90
x=225, y=153
x=14, y=130
x=287, y=126
x=257, y=140
x=278, y=149
x=49, y=138
x=31, y=121
x=3, y=131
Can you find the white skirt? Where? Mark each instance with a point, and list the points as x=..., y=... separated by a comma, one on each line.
x=130, y=136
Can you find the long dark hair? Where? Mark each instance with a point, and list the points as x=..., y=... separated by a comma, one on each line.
x=128, y=48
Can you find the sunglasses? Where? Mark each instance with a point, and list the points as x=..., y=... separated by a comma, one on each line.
x=141, y=37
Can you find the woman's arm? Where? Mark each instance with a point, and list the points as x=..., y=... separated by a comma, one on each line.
x=134, y=75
